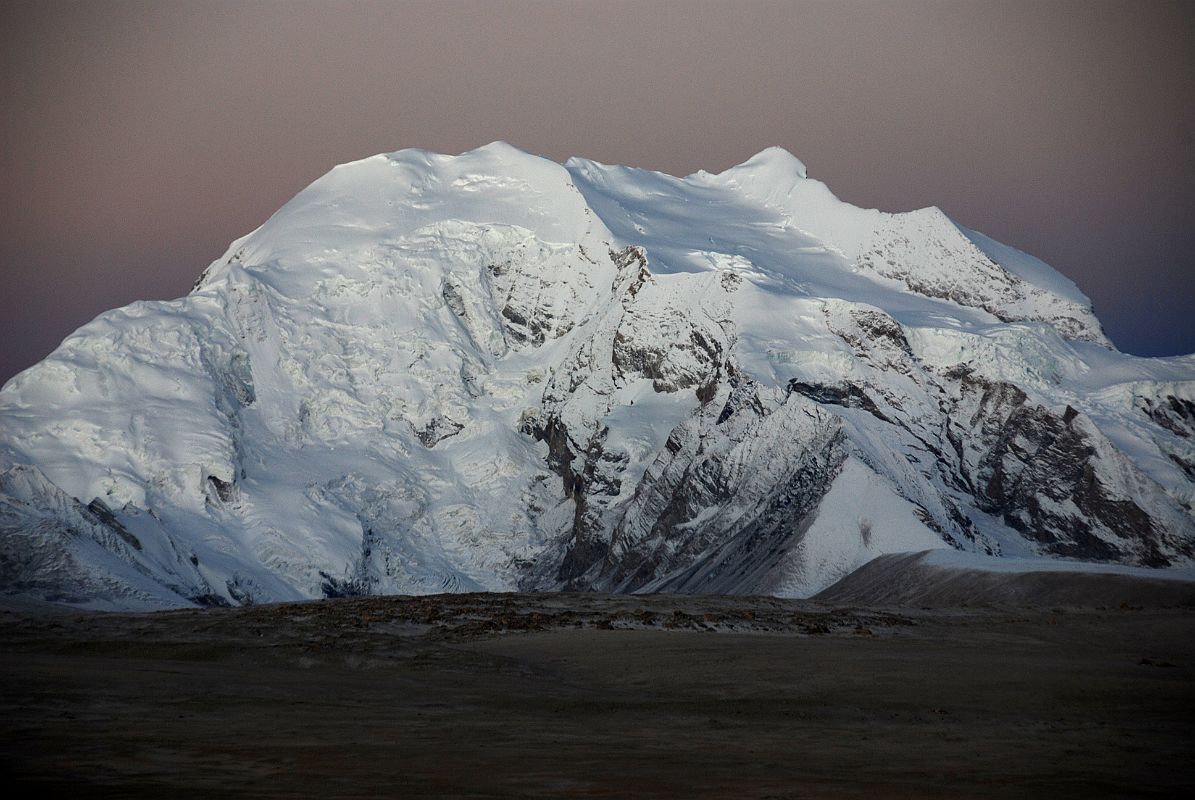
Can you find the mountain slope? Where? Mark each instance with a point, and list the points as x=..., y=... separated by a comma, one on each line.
x=490, y=371
x=948, y=578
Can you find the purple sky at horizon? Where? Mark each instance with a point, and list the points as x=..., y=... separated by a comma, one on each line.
x=138, y=139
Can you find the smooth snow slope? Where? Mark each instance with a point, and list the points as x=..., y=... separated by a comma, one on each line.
x=491, y=371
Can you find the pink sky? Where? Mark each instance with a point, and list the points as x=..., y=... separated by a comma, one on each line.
x=138, y=139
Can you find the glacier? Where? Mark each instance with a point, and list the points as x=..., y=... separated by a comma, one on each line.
x=490, y=372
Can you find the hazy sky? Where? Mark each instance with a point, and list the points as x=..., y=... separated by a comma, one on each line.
x=138, y=139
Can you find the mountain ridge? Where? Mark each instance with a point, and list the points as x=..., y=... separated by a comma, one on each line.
x=492, y=371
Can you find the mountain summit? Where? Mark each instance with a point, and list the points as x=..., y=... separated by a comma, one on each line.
x=491, y=371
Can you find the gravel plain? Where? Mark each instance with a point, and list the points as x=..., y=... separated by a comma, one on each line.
x=597, y=696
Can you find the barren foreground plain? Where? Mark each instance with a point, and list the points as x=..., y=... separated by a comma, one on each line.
x=597, y=696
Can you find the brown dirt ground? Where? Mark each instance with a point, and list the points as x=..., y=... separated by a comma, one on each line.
x=544, y=696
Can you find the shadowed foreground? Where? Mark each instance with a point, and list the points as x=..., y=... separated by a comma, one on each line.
x=598, y=696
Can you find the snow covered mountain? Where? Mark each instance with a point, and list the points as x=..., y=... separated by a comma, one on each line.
x=491, y=372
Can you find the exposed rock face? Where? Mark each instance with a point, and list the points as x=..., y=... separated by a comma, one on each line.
x=1041, y=473
x=1175, y=414
x=496, y=372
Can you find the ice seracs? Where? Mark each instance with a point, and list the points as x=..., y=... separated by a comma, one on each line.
x=491, y=371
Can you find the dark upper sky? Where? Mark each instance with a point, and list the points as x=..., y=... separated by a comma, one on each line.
x=138, y=139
